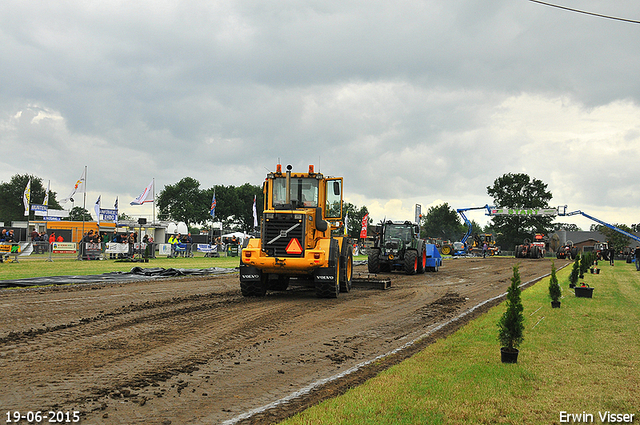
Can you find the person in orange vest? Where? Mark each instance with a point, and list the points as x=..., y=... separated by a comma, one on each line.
x=60, y=239
x=52, y=238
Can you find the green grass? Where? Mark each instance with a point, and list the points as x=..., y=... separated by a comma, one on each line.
x=583, y=357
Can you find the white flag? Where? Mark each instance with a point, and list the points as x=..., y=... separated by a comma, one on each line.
x=78, y=186
x=146, y=196
x=26, y=198
x=346, y=218
x=46, y=195
x=96, y=208
x=255, y=213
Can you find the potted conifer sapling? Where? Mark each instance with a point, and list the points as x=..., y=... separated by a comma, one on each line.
x=511, y=324
x=554, y=288
x=575, y=273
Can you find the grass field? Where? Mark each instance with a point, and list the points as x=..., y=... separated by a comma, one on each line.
x=37, y=266
x=580, y=359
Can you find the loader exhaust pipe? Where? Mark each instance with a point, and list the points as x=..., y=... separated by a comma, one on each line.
x=288, y=201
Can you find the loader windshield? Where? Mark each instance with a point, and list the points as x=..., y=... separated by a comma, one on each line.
x=303, y=193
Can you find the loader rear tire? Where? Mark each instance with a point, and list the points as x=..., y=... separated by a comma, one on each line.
x=255, y=288
x=331, y=289
x=346, y=272
x=446, y=250
x=411, y=262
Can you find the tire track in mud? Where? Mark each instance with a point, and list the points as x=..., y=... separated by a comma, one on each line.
x=198, y=352
x=128, y=328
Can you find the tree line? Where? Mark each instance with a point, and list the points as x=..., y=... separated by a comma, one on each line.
x=186, y=201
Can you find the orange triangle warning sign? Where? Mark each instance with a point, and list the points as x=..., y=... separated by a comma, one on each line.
x=294, y=247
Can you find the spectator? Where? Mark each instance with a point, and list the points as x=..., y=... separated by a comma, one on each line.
x=11, y=237
x=172, y=242
x=612, y=254
x=59, y=238
x=3, y=235
x=8, y=238
x=636, y=254
x=52, y=237
x=189, y=242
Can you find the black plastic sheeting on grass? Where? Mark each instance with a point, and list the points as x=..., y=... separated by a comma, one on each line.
x=136, y=273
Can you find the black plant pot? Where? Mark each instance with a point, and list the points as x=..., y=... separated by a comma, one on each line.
x=555, y=304
x=583, y=292
x=508, y=356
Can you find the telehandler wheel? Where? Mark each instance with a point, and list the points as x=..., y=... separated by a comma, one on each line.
x=255, y=289
x=411, y=262
x=446, y=250
x=374, y=261
x=346, y=272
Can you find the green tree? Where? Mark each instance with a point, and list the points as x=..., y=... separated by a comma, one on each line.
x=79, y=214
x=227, y=205
x=442, y=221
x=569, y=227
x=511, y=324
x=183, y=201
x=575, y=271
x=616, y=240
x=244, y=214
x=519, y=191
x=11, y=194
x=354, y=217
x=554, y=288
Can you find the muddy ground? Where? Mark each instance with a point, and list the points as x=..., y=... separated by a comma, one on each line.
x=194, y=351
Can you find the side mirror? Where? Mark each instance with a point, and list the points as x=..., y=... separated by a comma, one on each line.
x=336, y=188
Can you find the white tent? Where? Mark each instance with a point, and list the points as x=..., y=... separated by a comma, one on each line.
x=239, y=236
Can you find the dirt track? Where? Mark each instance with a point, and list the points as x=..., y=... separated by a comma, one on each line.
x=193, y=350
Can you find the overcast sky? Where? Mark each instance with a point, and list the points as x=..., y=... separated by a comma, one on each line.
x=412, y=102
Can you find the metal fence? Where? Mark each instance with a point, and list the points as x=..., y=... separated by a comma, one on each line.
x=114, y=251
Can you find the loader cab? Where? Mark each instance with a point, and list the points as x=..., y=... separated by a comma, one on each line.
x=310, y=192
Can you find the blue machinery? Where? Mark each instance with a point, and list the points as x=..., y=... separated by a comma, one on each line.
x=560, y=211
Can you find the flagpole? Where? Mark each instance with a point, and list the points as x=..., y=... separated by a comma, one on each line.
x=28, y=207
x=154, y=200
x=84, y=207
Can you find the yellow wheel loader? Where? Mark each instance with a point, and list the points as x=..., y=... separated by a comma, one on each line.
x=301, y=211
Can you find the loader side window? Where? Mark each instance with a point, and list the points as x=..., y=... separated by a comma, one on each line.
x=333, y=207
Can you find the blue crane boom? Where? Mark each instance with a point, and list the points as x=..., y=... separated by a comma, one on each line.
x=610, y=226
x=461, y=211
